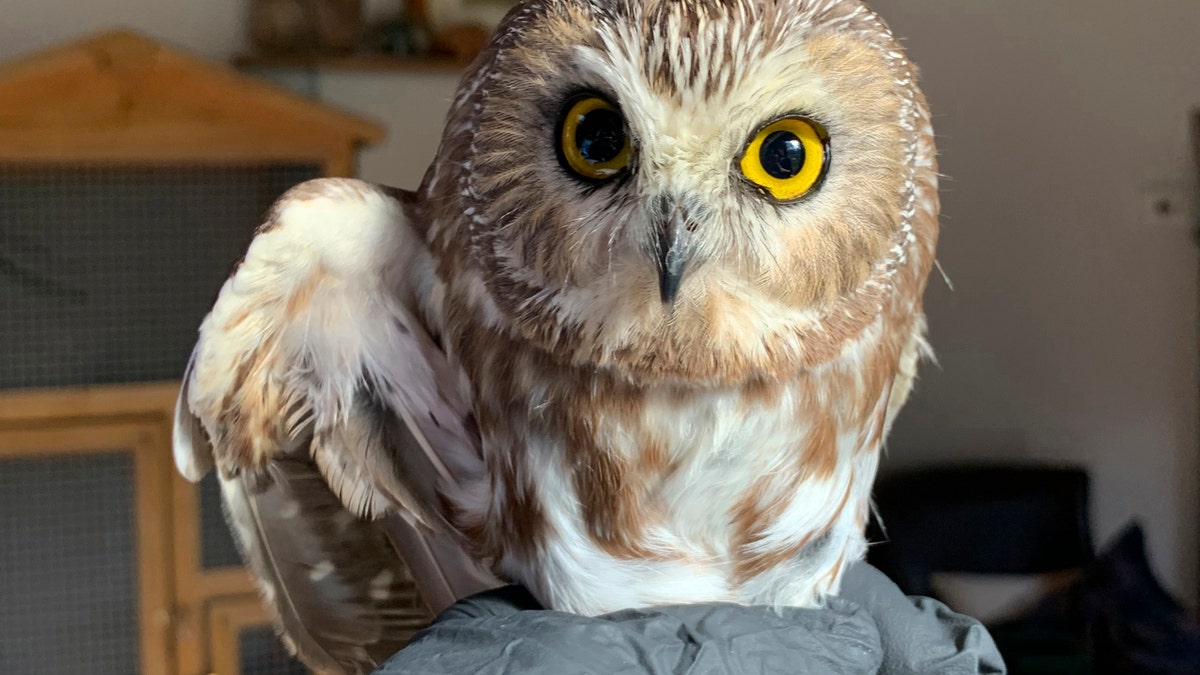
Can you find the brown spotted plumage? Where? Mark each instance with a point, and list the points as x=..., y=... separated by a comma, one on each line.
x=656, y=382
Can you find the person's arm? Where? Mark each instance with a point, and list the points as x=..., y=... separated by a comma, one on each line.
x=871, y=628
x=920, y=635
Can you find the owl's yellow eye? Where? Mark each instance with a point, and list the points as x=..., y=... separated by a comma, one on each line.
x=593, y=142
x=788, y=158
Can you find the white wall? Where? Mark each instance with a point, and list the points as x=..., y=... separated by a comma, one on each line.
x=1071, y=333
x=415, y=107
x=412, y=105
x=213, y=28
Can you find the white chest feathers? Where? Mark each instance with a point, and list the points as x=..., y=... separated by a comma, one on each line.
x=720, y=496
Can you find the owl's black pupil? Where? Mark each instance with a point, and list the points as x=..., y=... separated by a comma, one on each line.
x=600, y=135
x=782, y=154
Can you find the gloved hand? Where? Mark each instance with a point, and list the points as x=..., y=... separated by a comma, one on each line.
x=870, y=628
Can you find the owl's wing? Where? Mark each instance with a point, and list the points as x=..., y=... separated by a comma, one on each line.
x=334, y=420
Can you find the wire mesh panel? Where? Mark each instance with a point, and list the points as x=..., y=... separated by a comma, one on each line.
x=261, y=653
x=106, y=272
x=68, y=598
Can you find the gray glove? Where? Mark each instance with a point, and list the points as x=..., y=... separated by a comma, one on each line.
x=870, y=628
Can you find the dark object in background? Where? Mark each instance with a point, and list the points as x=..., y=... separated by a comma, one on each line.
x=462, y=42
x=292, y=26
x=1024, y=520
x=982, y=519
x=992, y=520
x=1133, y=624
x=1126, y=623
x=339, y=25
x=402, y=37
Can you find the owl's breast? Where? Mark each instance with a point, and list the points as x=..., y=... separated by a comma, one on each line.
x=603, y=494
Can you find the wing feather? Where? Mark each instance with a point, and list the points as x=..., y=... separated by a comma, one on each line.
x=341, y=595
x=193, y=455
x=440, y=567
x=316, y=388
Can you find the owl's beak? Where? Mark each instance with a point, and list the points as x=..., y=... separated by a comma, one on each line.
x=673, y=246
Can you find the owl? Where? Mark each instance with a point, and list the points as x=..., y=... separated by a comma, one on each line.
x=637, y=339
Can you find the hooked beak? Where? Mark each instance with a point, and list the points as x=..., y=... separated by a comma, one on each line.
x=673, y=248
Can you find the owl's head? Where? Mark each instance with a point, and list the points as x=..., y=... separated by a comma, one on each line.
x=696, y=189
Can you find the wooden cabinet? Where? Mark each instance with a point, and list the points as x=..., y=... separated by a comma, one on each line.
x=85, y=521
x=132, y=177
x=106, y=563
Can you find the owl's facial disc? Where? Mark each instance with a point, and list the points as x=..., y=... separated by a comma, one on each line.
x=652, y=186
x=784, y=161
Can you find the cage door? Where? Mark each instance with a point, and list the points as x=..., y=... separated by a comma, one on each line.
x=83, y=570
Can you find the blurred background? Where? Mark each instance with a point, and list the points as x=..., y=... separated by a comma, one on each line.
x=141, y=140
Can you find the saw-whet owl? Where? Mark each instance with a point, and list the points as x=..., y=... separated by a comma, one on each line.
x=637, y=339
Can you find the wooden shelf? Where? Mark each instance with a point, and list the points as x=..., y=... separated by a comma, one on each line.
x=358, y=62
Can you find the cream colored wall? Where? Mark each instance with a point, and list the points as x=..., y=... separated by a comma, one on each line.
x=212, y=28
x=1072, y=331
x=413, y=105
x=1071, y=334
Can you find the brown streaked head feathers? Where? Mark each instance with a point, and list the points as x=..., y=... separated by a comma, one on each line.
x=771, y=288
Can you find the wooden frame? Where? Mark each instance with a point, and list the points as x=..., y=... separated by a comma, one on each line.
x=196, y=587
x=123, y=99
x=144, y=441
x=227, y=618
x=176, y=634
x=154, y=402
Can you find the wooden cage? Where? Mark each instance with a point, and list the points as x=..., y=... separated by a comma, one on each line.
x=131, y=178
